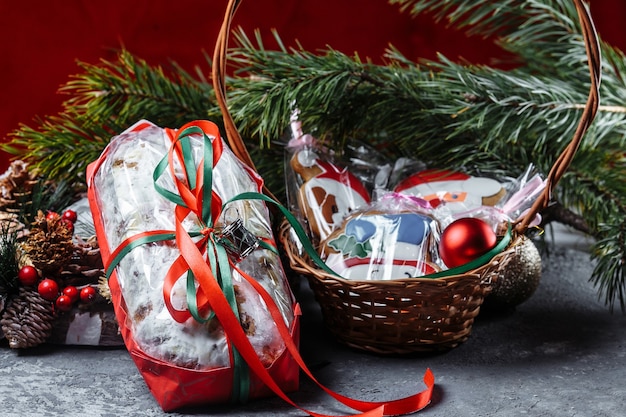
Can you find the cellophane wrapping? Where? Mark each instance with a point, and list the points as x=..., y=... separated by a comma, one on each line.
x=125, y=203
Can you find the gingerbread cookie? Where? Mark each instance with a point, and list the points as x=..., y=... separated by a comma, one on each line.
x=381, y=246
x=459, y=191
x=328, y=192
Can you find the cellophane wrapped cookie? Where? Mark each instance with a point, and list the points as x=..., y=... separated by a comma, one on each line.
x=460, y=192
x=124, y=198
x=392, y=238
x=321, y=189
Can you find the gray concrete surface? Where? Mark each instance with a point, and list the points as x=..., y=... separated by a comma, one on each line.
x=561, y=353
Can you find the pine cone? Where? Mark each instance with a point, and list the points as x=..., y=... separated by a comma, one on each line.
x=16, y=188
x=85, y=265
x=27, y=320
x=49, y=246
x=12, y=224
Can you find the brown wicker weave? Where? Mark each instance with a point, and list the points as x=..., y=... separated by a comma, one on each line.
x=413, y=314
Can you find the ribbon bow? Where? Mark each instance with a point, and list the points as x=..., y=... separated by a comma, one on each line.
x=195, y=197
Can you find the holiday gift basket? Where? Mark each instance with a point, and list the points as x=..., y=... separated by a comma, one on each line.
x=430, y=312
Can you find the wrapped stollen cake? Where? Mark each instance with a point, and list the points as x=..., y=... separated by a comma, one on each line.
x=129, y=204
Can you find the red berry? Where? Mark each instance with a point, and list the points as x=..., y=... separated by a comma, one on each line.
x=68, y=224
x=28, y=275
x=70, y=215
x=51, y=215
x=64, y=303
x=88, y=294
x=48, y=289
x=72, y=292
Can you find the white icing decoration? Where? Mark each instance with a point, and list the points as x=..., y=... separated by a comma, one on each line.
x=459, y=195
x=484, y=187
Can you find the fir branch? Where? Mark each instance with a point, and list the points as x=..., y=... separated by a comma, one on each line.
x=473, y=118
x=104, y=100
x=59, y=148
x=263, y=103
x=609, y=274
x=340, y=97
x=488, y=19
x=48, y=196
x=130, y=89
x=534, y=31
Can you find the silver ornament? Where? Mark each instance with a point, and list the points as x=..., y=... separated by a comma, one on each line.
x=519, y=279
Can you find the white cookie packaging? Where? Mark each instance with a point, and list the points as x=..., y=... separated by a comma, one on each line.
x=169, y=241
x=392, y=238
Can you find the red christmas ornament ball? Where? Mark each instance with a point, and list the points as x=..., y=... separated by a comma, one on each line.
x=48, y=289
x=67, y=223
x=464, y=240
x=70, y=215
x=51, y=215
x=72, y=292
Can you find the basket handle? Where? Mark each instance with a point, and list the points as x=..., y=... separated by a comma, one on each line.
x=591, y=107
x=561, y=164
x=219, y=85
x=233, y=136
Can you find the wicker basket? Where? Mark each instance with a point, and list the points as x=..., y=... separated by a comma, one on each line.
x=397, y=316
x=415, y=314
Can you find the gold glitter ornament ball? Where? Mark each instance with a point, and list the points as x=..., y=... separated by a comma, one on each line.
x=519, y=280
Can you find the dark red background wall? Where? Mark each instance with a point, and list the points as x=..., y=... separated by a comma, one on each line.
x=40, y=42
